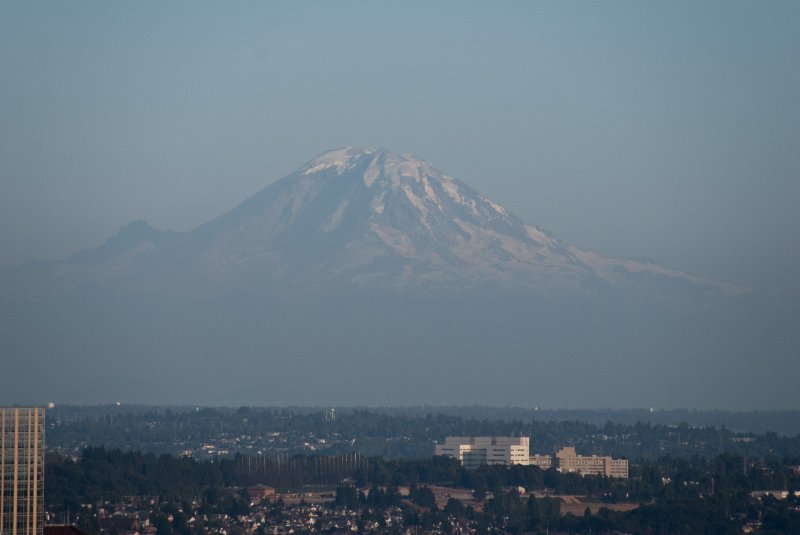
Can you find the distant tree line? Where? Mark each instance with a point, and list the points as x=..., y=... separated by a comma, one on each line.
x=390, y=436
x=112, y=474
x=677, y=495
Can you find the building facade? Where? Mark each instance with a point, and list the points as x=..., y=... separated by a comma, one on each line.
x=545, y=462
x=594, y=465
x=22, y=471
x=473, y=452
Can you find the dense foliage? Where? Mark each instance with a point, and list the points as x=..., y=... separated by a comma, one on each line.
x=695, y=495
x=205, y=432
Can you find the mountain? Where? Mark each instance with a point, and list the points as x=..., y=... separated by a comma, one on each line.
x=368, y=277
x=360, y=218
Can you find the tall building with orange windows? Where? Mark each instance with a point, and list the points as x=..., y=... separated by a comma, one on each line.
x=22, y=471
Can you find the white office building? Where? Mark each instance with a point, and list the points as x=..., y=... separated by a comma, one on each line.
x=594, y=465
x=473, y=452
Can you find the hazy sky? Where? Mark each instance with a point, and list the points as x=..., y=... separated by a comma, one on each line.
x=665, y=130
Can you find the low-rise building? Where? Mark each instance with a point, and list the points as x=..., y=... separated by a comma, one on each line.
x=544, y=462
x=473, y=452
x=777, y=494
x=570, y=461
x=259, y=492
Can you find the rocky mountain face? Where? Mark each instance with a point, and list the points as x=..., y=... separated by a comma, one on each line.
x=360, y=218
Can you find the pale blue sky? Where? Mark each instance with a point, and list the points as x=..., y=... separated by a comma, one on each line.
x=666, y=130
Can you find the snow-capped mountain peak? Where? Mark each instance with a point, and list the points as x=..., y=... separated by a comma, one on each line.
x=369, y=216
x=337, y=160
x=372, y=217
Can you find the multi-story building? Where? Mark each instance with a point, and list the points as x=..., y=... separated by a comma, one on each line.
x=22, y=471
x=542, y=461
x=570, y=461
x=476, y=451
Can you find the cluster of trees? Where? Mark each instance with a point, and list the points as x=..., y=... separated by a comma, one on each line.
x=679, y=494
x=783, y=422
x=390, y=435
x=512, y=513
x=101, y=474
x=507, y=508
x=104, y=473
x=709, y=514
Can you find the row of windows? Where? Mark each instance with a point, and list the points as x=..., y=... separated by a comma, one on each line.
x=22, y=468
x=22, y=481
x=22, y=507
x=21, y=448
x=22, y=420
x=24, y=528
x=21, y=498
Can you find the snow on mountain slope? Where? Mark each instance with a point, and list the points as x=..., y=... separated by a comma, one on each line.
x=371, y=216
x=360, y=217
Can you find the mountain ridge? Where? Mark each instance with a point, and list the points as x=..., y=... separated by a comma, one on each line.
x=368, y=276
x=361, y=217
